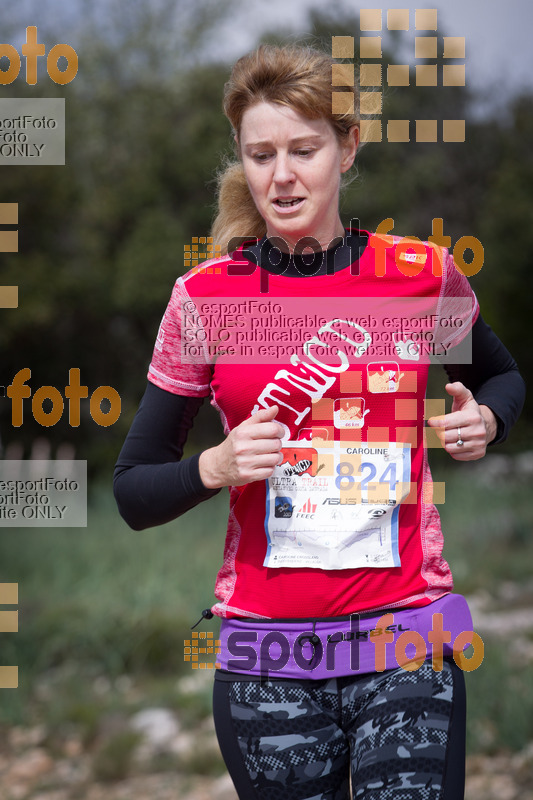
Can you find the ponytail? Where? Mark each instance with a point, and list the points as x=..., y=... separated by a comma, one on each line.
x=237, y=213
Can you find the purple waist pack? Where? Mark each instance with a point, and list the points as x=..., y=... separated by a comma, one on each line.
x=354, y=645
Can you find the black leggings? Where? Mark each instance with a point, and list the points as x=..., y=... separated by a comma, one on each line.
x=400, y=734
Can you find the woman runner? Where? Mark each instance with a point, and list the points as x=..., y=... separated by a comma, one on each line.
x=313, y=341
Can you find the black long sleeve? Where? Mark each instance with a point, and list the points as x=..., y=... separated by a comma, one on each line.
x=492, y=377
x=152, y=485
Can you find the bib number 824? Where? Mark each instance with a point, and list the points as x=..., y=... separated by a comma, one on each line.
x=345, y=472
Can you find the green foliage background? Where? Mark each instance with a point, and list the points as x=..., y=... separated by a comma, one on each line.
x=101, y=239
x=101, y=244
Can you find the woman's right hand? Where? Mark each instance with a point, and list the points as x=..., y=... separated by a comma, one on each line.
x=249, y=452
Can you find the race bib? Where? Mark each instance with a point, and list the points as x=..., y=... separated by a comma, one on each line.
x=335, y=506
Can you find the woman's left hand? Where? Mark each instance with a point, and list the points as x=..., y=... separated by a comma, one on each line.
x=468, y=422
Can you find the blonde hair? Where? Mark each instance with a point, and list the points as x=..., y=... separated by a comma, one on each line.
x=296, y=76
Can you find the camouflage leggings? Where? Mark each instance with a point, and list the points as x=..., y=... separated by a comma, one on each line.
x=401, y=734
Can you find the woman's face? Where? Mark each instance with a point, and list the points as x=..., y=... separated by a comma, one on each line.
x=293, y=166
